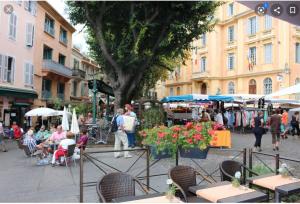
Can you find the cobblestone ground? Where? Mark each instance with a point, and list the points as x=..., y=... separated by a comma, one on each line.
x=22, y=181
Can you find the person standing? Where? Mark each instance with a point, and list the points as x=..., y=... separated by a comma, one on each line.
x=131, y=134
x=2, y=144
x=16, y=131
x=275, y=123
x=89, y=119
x=258, y=130
x=120, y=135
x=295, y=124
x=219, y=117
x=285, y=123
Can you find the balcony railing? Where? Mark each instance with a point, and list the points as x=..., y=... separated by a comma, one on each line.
x=57, y=68
x=46, y=94
x=78, y=73
x=61, y=96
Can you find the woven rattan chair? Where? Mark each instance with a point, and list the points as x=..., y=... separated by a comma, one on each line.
x=117, y=185
x=229, y=167
x=69, y=155
x=184, y=177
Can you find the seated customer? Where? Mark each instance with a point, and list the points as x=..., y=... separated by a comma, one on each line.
x=41, y=135
x=63, y=147
x=82, y=140
x=30, y=141
x=56, y=137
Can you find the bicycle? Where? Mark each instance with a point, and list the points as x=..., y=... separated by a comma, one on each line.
x=99, y=133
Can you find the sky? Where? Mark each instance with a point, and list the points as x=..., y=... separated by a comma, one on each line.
x=78, y=37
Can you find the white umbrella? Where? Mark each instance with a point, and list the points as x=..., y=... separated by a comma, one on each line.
x=60, y=113
x=74, y=124
x=65, y=122
x=41, y=112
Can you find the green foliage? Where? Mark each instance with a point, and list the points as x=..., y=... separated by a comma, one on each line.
x=57, y=103
x=261, y=169
x=134, y=42
x=152, y=117
x=82, y=108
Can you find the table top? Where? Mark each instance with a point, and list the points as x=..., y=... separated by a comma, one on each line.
x=242, y=194
x=152, y=198
x=277, y=182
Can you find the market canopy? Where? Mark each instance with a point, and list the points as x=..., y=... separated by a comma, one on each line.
x=41, y=112
x=287, y=91
x=197, y=97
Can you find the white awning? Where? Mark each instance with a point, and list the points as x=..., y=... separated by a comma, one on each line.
x=287, y=91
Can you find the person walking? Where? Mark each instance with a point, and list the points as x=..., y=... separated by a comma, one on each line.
x=131, y=134
x=120, y=135
x=275, y=123
x=285, y=123
x=295, y=124
x=2, y=143
x=258, y=130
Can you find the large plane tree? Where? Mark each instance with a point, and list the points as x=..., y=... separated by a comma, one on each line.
x=134, y=41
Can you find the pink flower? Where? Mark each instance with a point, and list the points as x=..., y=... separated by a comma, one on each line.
x=189, y=140
x=176, y=129
x=185, y=133
x=198, y=137
x=198, y=128
x=161, y=134
x=211, y=132
x=175, y=135
x=189, y=125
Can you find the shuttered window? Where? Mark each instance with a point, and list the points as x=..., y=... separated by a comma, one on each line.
x=12, y=26
x=268, y=22
x=28, y=74
x=29, y=34
x=252, y=25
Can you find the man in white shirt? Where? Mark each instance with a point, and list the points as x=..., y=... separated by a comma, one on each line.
x=219, y=118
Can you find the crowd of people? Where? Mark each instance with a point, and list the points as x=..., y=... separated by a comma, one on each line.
x=279, y=126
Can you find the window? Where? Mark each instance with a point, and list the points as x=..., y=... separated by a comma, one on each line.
x=252, y=55
x=297, y=96
x=252, y=86
x=203, y=40
x=76, y=64
x=230, y=64
x=30, y=6
x=29, y=34
x=46, y=89
x=28, y=74
x=171, y=92
x=230, y=9
x=297, y=52
x=47, y=53
x=203, y=64
x=74, y=91
x=268, y=22
x=252, y=26
x=267, y=86
x=60, y=91
x=231, y=34
x=231, y=88
x=63, y=36
x=61, y=59
x=268, y=53
x=8, y=64
x=12, y=26
x=49, y=26
x=178, y=91
x=83, y=89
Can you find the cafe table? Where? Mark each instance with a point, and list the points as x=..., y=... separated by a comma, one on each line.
x=282, y=186
x=224, y=192
x=150, y=198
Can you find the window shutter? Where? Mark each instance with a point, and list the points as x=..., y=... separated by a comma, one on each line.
x=26, y=5
x=256, y=24
x=5, y=70
x=249, y=26
x=11, y=23
x=29, y=34
x=31, y=74
x=33, y=8
x=13, y=67
x=26, y=73
x=1, y=67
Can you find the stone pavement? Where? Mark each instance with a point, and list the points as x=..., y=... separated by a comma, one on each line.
x=22, y=181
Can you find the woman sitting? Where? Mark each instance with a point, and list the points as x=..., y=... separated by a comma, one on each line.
x=63, y=148
x=30, y=141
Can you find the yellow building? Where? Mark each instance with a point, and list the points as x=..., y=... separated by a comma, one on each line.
x=245, y=53
x=52, y=55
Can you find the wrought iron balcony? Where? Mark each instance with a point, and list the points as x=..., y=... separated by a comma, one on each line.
x=46, y=95
x=50, y=65
x=78, y=73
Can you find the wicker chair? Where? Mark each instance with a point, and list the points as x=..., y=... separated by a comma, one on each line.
x=229, y=167
x=69, y=155
x=184, y=177
x=116, y=185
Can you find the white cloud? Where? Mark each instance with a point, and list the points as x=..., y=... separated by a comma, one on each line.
x=78, y=37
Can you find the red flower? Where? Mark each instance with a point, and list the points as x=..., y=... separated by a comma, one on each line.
x=198, y=137
x=186, y=133
x=198, y=128
x=143, y=133
x=189, y=125
x=189, y=140
x=161, y=134
x=175, y=135
x=211, y=132
x=176, y=129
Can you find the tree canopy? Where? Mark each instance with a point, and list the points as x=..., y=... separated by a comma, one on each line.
x=134, y=41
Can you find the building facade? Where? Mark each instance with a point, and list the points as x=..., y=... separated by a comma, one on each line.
x=244, y=54
x=52, y=56
x=17, y=45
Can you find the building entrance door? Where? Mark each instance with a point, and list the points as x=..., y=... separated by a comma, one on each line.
x=203, y=88
x=252, y=86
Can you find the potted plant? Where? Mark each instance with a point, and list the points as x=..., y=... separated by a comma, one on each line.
x=161, y=141
x=195, y=139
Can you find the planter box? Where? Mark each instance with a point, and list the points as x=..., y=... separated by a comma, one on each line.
x=161, y=155
x=194, y=153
